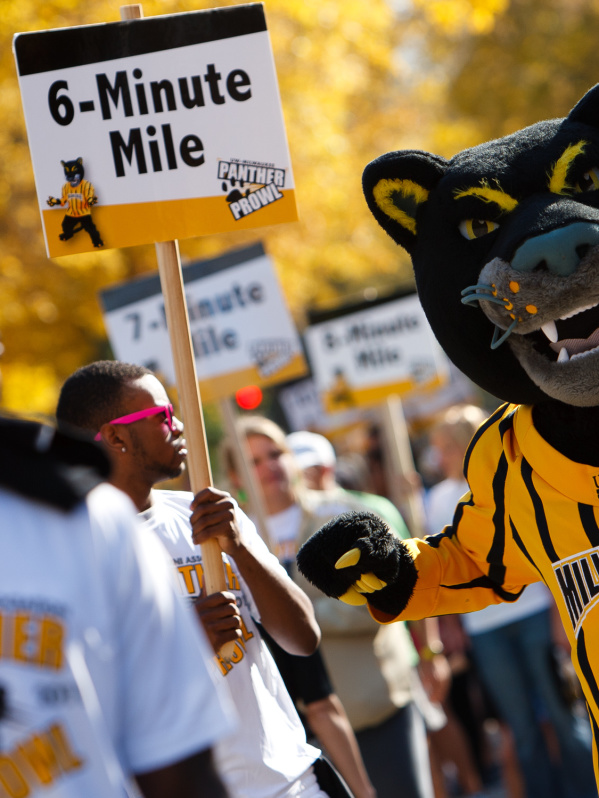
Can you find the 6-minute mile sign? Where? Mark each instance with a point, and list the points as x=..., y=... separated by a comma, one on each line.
x=361, y=357
x=155, y=129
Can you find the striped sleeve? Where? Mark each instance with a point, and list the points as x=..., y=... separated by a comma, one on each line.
x=474, y=561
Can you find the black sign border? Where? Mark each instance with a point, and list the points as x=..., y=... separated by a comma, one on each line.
x=64, y=48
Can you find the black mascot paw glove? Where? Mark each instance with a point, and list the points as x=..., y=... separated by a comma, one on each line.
x=356, y=559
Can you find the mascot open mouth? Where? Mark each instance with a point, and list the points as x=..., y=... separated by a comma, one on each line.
x=567, y=368
x=572, y=336
x=558, y=349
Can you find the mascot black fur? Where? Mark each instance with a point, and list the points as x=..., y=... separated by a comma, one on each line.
x=504, y=240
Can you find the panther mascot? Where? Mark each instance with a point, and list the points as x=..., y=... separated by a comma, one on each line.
x=78, y=195
x=504, y=241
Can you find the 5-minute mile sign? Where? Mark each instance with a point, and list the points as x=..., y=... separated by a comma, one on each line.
x=155, y=129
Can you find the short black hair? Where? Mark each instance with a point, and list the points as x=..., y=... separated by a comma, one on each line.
x=93, y=395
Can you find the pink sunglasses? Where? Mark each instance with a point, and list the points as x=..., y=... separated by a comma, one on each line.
x=150, y=411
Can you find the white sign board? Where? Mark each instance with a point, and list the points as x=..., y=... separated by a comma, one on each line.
x=241, y=330
x=302, y=405
x=360, y=358
x=155, y=129
x=424, y=405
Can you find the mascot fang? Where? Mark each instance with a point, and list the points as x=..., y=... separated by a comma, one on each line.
x=504, y=240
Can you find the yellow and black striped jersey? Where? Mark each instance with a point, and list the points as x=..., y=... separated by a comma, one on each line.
x=77, y=198
x=531, y=514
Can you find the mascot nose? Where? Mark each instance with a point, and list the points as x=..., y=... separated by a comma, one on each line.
x=559, y=251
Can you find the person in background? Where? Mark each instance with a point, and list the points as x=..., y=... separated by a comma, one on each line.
x=512, y=645
x=320, y=467
x=94, y=638
x=324, y=716
x=324, y=471
x=127, y=408
x=320, y=708
x=371, y=667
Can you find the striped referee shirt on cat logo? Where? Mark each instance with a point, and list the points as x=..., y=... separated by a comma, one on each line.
x=531, y=515
x=77, y=198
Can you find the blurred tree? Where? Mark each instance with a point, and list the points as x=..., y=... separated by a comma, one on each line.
x=338, y=78
x=357, y=79
x=546, y=51
x=499, y=65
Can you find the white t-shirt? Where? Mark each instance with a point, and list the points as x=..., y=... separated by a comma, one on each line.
x=103, y=673
x=283, y=529
x=269, y=752
x=440, y=505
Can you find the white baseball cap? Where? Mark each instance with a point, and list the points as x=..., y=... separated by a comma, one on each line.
x=311, y=449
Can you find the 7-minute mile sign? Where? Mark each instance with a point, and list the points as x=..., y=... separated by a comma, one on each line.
x=155, y=129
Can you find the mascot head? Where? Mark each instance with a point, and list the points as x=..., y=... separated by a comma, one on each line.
x=73, y=171
x=504, y=240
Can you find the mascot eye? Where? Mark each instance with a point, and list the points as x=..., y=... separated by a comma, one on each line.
x=589, y=181
x=475, y=228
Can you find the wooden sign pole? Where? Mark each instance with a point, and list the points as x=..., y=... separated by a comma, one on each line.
x=177, y=319
x=399, y=462
x=198, y=462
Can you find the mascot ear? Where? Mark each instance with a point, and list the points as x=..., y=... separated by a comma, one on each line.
x=395, y=185
x=586, y=110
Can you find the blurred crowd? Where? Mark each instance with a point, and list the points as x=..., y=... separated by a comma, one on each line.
x=502, y=710
x=117, y=658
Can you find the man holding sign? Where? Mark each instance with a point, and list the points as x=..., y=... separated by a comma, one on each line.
x=127, y=408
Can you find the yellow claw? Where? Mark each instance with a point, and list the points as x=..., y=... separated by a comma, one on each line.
x=373, y=582
x=352, y=597
x=351, y=557
x=363, y=587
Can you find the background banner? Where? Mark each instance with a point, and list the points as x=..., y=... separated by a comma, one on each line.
x=241, y=330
